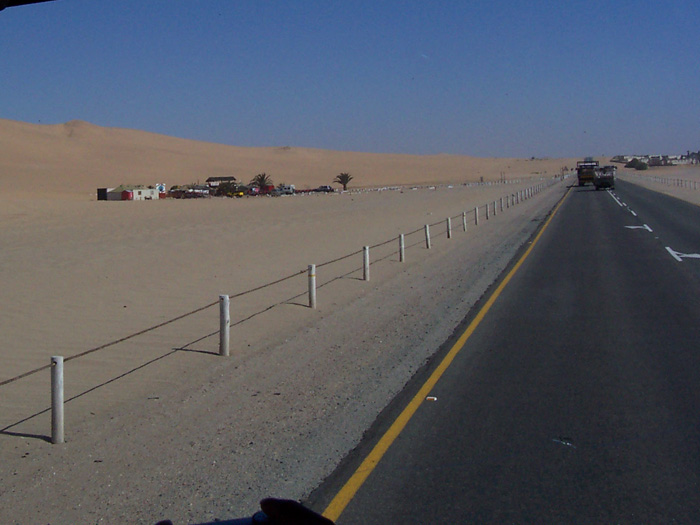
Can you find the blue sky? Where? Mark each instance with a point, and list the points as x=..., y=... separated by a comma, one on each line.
x=486, y=78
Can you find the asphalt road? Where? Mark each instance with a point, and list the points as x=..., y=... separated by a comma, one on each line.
x=577, y=398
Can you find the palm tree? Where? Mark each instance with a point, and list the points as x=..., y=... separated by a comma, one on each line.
x=344, y=179
x=261, y=180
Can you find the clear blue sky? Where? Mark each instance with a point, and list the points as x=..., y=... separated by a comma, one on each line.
x=486, y=78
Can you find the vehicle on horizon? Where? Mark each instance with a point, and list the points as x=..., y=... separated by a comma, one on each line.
x=284, y=189
x=229, y=189
x=197, y=191
x=260, y=190
x=324, y=189
x=266, y=189
x=604, y=178
x=585, y=170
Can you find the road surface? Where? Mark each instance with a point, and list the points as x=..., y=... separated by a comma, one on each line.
x=577, y=397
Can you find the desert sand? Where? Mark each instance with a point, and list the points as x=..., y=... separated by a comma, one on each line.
x=75, y=158
x=160, y=425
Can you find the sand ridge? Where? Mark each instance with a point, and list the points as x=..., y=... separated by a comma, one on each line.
x=75, y=158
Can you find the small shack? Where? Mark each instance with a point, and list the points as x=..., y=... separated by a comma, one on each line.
x=126, y=192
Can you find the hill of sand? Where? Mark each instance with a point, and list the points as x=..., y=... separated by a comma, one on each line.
x=75, y=158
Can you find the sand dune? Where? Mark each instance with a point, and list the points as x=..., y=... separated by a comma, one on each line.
x=75, y=158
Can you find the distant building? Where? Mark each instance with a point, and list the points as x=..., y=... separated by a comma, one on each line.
x=657, y=160
x=214, y=182
x=127, y=192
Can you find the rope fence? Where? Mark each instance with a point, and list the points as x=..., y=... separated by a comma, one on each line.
x=668, y=181
x=249, y=291
x=471, y=216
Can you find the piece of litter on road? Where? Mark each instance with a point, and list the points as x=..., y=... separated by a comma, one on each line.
x=431, y=398
x=564, y=441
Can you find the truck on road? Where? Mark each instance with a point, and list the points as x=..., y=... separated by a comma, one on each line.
x=605, y=178
x=586, y=169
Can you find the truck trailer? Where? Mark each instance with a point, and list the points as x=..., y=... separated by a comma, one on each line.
x=586, y=170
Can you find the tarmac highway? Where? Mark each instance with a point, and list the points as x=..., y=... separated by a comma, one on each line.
x=574, y=396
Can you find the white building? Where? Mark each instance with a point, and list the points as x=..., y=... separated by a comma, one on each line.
x=129, y=193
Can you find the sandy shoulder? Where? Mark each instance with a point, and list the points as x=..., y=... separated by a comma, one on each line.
x=193, y=436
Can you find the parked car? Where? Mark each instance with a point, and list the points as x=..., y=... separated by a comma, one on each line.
x=229, y=189
x=286, y=189
x=324, y=189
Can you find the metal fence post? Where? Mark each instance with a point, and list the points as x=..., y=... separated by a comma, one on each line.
x=57, y=430
x=312, y=286
x=365, y=263
x=224, y=325
x=402, y=248
x=427, y=236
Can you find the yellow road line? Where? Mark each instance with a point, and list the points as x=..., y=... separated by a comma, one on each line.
x=345, y=495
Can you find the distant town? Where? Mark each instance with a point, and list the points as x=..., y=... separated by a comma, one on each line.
x=660, y=160
x=214, y=187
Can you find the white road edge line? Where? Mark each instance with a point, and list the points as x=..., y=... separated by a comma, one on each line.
x=673, y=254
